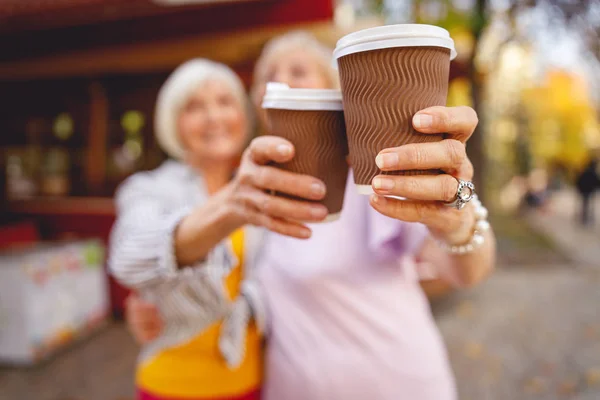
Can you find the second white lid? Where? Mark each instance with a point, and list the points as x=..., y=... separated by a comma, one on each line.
x=281, y=96
x=403, y=35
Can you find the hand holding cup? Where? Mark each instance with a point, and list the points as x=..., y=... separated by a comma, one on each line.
x=313, y=121
x=387, y=74
x=426, y=194
x=250, y=195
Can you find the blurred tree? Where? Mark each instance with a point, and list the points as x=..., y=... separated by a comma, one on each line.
x=581, y=17
x=467, y=21
x=476, y=146
x=561, y=120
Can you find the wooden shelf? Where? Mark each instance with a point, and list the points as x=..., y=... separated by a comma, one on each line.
x=101, y=206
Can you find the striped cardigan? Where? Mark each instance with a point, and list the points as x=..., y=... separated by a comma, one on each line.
x=149, y=208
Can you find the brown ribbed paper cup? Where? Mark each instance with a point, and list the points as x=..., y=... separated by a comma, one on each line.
x=387, y=75
x=318, y=135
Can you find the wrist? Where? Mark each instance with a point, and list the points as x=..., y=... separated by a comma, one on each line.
x=463, y=234
x=227, y=210
x=217, y=214
x=199, y=231
x=479, y=226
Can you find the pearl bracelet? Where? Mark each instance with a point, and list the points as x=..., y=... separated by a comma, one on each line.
x=477, y=238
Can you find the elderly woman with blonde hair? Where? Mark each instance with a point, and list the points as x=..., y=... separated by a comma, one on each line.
x=346, y=317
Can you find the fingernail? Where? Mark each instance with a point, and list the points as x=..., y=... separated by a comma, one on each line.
x=422, y=121
x=386, y=160
x=284, y=149
x=318, y=212
x=318, y=189
x=306, y=233
x=383, y=183
x=379, y=200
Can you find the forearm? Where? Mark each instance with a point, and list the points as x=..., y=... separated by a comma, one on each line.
x=200, y=231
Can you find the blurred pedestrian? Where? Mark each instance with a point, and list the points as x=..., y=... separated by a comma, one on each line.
x=537, y=194
x=588, y=182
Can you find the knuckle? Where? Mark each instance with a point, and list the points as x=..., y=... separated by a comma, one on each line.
x=261, y=177
x=245, y=155
x=266, y=204
x=254, y=143
x=412, y=186
x=448, y=188
x=469, y=171
x=265, y=221
x=252, y=218
x=472, y=117
x=416, y=156
x=255, y=147
x=245, y=176
x=420, y=211
x=248, y=150
x=455, y=151
x=237, y=199
x=446, y=119
x=243, y=202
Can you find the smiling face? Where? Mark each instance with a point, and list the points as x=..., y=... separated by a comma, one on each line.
x=212, y=125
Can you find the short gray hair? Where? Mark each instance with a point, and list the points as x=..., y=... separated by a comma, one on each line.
x=177, y=90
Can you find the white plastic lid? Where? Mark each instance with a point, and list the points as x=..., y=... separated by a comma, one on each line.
x=385, y=37
x=281, y=96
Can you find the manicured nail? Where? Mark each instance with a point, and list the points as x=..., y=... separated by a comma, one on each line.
x=318, y=189
x=422, y=121
x=284, y=149
x=386, y=160
x=379, y=200
x=383, y=183
x=317, y=212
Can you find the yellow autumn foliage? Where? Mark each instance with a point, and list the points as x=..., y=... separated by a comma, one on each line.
x=562, y=119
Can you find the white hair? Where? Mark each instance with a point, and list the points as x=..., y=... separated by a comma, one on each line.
x=295, y=40
x=177, y=90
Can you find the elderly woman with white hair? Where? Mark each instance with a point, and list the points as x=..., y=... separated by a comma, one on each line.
x=346, y=316
x=184, y=238
x=296, y=59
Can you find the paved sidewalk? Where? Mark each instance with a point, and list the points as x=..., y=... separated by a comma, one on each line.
x=101, y=368
x=559, y=222
x=532, y=331
x=527, y=333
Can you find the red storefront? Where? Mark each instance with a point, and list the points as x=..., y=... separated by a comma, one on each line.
x=78, y=79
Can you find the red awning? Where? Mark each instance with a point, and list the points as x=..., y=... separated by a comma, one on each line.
x=44, y=14
x=39, y=28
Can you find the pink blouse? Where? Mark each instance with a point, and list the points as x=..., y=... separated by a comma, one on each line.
x=348, y=319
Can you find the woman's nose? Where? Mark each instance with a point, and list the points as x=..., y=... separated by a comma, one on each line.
x=214, y=113
x=282, y=77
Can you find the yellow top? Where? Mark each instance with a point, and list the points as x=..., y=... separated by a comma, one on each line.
x=197, y=369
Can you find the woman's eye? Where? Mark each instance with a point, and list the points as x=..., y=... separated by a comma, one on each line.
x=194, y=106
x=271, y=75
x=225, y=100
x=298, y=72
